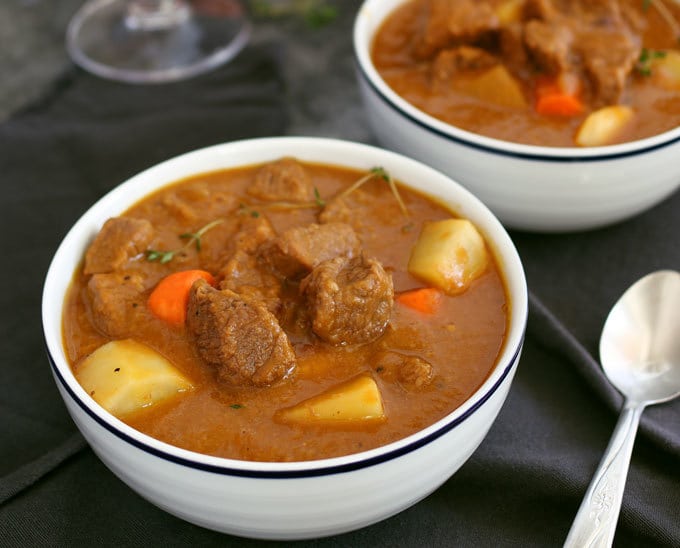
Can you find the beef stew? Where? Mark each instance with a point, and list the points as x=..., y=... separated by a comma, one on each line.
x=269, y=312
x=542, y=72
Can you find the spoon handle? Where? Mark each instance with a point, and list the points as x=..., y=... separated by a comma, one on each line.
x=595, y=522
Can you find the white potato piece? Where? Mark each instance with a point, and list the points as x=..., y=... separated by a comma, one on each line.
x=495, y=85
x=125, y=376
x=603, y=126
x=358, y=399
x=449, y=255
x=509, y=11
x=665, y=70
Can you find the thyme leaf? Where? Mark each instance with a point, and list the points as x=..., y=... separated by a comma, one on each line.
x=380, y=173
x=644, y=62
x=317, y=198
x=165, y=256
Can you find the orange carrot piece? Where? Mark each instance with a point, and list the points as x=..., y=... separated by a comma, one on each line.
x=558, y=104
x=425, y=300
x=169, y=299
x=558, y=96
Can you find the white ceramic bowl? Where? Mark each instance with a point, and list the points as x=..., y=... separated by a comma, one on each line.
x=535, y=188
x=299, y=499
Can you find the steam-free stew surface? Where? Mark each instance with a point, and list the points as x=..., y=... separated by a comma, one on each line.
x=461, y=341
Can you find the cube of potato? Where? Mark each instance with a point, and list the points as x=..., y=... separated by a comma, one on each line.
x=449, y=255
x=125, y=376
x=665, y=71
x=355, y=400
x=496, y=86
x=603, y=126
x=509, y=11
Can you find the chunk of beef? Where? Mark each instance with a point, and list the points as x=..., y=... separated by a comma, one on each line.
x=114, y=299
x=598, y=13
x=471, y=20
x=451, y=61
x=351, y=210
x=238, y=336
x=349, y=299
x=285, y=180
x=544, y=10
x=594, y=37
x=119, y=239
x=411, y=372
x=608, y=58
x=246, y=274
x=252, y=233
x=549, y=45
x=449, y=23
x=435, y=33
x=511, y=43
x=299, y=249
x=246, y=234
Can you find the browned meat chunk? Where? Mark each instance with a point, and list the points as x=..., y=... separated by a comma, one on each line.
x=238, y=336
x=540, y=9
x=350, y=209
x=245, y=274
x=549, y=44
x=594, y=37
x=451, y=61
x=596, y=12
x=299, y=249
x=511, y=42
x=435, y=33
x=349, y=300
x=114, y=298
x=246, y=234
x=411, y=372
x=119, y=239
x=470, y=20
x=463, y=21
x=283, y=180
x=609, y=58
x=252, y=233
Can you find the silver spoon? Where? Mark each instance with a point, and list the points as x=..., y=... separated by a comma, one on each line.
x=640, y=354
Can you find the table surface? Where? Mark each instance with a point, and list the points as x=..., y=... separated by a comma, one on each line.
x=33, y=58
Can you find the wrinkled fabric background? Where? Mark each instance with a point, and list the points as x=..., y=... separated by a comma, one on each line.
x=524, y=484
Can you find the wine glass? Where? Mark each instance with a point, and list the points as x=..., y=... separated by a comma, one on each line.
x=155, y=41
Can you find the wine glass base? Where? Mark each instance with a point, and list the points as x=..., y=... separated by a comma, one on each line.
x=106, y=39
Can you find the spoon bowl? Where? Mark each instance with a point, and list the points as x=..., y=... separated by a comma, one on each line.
x=640, y=355
x=640, y=344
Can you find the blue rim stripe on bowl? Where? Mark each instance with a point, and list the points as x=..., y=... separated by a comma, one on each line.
x=288, y=474
x=492, y=150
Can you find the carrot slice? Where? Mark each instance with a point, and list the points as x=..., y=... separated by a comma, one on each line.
x=168, y=301
x=558, y=96
x=559, y=104
x=425, y=300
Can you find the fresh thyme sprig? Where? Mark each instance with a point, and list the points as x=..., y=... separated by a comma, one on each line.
x=317, y=202
x=194, y=238
x=317, y=198
x=644, y=62
x=381, y=173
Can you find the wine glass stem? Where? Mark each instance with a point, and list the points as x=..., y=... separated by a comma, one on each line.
x=150, y=15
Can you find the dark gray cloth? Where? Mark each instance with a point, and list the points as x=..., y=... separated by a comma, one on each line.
x=523, y=485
